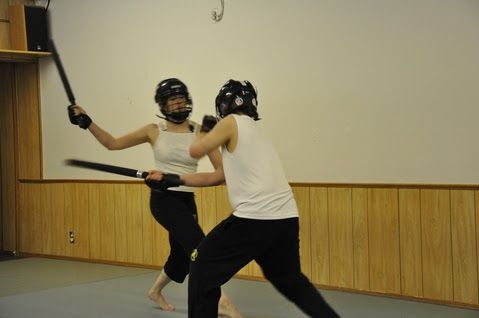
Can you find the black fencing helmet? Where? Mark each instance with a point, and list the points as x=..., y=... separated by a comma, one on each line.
x=237, y=97
x=171, y=87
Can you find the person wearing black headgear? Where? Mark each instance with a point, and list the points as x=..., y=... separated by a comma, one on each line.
x=175, y=208
x=264, y=225
x=166, y=91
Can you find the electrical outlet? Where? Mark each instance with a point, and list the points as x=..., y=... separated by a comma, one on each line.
x=71, y=237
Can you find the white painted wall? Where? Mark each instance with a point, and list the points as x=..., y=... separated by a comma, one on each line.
x=350, y=91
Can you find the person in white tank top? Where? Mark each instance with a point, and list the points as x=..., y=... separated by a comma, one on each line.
x=264, y=224
x=175, y=209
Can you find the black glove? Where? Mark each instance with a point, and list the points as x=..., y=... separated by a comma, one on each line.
x=169, y=180
x=71, y=115
x=82, y=120
x=208, y=123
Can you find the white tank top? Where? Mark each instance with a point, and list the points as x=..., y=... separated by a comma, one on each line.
x=171, y=152
x=257, y=186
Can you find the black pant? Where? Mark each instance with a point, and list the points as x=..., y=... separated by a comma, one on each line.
x=176, y=212
x=232, y=244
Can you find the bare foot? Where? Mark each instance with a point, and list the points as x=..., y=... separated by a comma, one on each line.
x=227, y=309
x=160, y=300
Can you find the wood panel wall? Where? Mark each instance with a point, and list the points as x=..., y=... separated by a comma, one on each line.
x=20, y=145
x=413, y=242
x=20, y=131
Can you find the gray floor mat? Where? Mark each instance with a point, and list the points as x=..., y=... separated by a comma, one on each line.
x=125, y=296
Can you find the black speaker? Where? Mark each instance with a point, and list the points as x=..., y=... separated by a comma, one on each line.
x=28, y=28
x=36, y=26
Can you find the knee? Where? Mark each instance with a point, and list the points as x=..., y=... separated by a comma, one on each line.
x=177, y=271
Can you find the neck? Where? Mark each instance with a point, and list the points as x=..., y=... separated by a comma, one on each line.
x=173, y=127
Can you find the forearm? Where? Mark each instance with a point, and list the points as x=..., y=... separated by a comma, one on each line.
x=105, y=138
x=161, y=181
x=203, y=179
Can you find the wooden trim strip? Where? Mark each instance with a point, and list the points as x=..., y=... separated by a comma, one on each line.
x=388, y=185
x=49, y=181
x=294, y=184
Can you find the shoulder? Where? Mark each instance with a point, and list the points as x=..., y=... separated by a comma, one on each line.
x=152, y=131
x=196, y=127
x=227, y=126
x=229, y=120
x=151, y=127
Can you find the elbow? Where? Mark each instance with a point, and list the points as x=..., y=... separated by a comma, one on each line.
x=195, y=152
x=218, y=182
x=112, y=145
x=109, y=146
x=219, y=176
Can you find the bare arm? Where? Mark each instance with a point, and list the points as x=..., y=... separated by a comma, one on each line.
x=209, y=143
x=222, y=134
x=126, y=141
x=200, y=179
x=142, y=135
x=206, y=179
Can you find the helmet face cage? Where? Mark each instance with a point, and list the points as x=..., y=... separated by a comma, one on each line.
x=237, y=96
x=172, y=87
